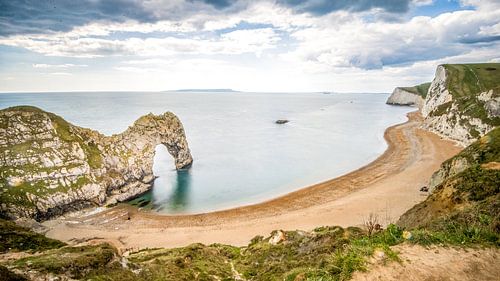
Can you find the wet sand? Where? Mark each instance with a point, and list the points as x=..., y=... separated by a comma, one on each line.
x=386, y=187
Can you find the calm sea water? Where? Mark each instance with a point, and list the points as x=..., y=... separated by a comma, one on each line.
x=240, y=155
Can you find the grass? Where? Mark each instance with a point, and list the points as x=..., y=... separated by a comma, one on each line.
x=74, y=261
x=8, y=275
x=466, y=82
x=476, y=225
x=420, y=90
x=16, y=238
x=327, y=253
x=17, y=196
x=465, y=208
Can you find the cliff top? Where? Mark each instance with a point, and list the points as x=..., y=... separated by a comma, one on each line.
x=420, y=89
x=467, y=80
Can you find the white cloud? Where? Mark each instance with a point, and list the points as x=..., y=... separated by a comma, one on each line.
x=235, y=42
x=61, y=73
x=66, y=65
x=279, y=49
x=360, y=44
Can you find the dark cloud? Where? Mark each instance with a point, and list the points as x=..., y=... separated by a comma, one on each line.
x=220, y=4
x=322, y=7
x=483, y=39
x=41, y=16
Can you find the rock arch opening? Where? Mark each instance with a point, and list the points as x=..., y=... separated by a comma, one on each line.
x=171, y=186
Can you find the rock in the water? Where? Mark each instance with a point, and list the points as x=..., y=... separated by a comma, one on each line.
x=49, y=166
x=282, y=121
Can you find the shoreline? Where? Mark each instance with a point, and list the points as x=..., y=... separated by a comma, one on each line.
x=387, y=186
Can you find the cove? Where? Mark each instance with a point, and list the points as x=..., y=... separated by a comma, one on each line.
x=240, y=155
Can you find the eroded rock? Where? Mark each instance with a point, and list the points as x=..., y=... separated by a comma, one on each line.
x=49, y=166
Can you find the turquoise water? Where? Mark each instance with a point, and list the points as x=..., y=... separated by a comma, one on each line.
x=240, y=155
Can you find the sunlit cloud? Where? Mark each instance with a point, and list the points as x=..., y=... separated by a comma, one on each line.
x=281, y=44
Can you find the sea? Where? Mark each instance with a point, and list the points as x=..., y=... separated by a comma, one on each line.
x=241, y=156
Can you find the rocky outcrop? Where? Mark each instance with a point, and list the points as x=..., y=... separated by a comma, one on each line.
x=484, y=150
x=491, y=103
x=49, y=166
x=400, y=96
x=459, y=105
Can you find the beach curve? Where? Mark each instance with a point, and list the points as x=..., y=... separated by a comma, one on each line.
x=387, y=187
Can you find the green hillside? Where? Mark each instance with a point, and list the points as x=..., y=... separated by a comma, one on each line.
x=465, y=83
x=466, y=205
x=420, y=90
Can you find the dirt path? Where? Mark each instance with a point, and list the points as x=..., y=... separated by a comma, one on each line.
x=436, y=263
x=387, y=187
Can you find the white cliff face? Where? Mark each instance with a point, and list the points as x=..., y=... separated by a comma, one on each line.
x=402, y=97
x=491, y=103
x=438, y=92
x=442, y=114
x=49, y=166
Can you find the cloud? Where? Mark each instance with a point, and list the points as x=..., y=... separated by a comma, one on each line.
x=482, y=39
x=315, y=43
x=61, y=73
x=235, y=42
x=66, y=65
x=371, y=45
x=35, y=16
x=39, y=17
x=218, y=3
x=322, y=7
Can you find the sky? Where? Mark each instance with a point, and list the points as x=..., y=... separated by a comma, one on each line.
x=246, y=45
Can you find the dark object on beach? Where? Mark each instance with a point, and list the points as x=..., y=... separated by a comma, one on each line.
x=424, y=189
x=282, y=121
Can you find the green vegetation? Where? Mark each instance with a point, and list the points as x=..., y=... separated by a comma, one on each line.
x=476, y=225
x=463, y=210
x=420, y=90
x=327, y=253
x=21, y=193
x=465, y=83
x=16, y=238
x=8, y=275
x=465, y=207
x=485, y=150
x=76, y=262
x=65, y=133
x=467, y=80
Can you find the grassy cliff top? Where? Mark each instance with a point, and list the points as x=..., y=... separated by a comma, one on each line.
x=420, y=90
x=465, y=80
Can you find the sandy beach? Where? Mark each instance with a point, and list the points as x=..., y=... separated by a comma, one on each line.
x=386, y=187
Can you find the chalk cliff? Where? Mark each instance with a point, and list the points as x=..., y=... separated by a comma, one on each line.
x=400, y=96
x=49, y=166
x=463, y=102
